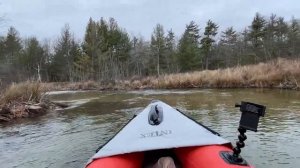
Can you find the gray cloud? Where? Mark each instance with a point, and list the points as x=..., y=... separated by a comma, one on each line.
x=44, y=18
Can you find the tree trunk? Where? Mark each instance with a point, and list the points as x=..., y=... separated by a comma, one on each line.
x=206, y=62
x=39, y=74
x=158, y=65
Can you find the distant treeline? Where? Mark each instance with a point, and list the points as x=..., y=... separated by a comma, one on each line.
x=107, y=53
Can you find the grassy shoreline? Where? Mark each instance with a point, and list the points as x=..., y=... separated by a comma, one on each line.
x=279, y=73
x=27, y=98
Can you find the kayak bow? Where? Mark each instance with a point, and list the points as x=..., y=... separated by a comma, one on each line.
x=160, y=130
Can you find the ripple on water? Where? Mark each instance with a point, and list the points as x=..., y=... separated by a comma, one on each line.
x=166, y=92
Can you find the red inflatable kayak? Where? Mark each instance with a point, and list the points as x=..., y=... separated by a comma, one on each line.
x=162, y=131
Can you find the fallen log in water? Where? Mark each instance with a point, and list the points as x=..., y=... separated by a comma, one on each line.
x=26, y=109
x=59, y=104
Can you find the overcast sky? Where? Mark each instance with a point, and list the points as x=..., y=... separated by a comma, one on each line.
x=45, y=18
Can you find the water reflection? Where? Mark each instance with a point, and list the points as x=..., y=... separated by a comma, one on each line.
x=68, y=138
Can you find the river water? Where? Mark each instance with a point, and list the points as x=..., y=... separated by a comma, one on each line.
x=68, y=138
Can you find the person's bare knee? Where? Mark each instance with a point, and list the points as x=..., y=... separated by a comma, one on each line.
x=165, y=162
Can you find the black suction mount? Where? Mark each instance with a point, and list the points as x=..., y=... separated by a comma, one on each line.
x=155, y=116
x=249, y=121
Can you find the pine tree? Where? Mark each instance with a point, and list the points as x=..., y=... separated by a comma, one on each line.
x=108, y=47
x=294, y=38
x=12, y=46
x=171, y=60
x=269, y=39
x=229, y=42
x=32, y=58
x=2, y=50
x=82, y=65
x=63, y=60
x=257, y=34
x=90, y=47
x=158, y=47
x=208, y=40
x=188, y=48
x=281, y=37
x=118, y=43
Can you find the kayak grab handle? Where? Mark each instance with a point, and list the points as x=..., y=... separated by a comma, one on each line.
x=155, y=116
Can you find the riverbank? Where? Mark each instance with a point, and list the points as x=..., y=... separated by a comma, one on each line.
x=24, y=100
x=28, y=98
x=279, y=73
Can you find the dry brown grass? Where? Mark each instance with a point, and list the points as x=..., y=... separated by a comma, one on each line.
x=84, y=85
x=22, y=100
x=22, y=92
x=281, y=73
